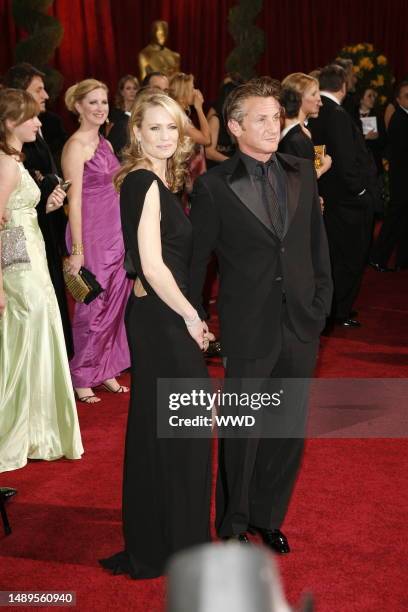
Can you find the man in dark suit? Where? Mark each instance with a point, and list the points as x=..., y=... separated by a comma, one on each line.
x=259, y=211
x=347, y=192
x=394, y=231
x=40, y=162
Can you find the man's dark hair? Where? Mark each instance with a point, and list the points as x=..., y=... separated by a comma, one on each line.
x=344, y=62
x=291, y=101
x=400, y=85
x=21, y=75
x=146, y=80
x=332, y=78
x=260, y=87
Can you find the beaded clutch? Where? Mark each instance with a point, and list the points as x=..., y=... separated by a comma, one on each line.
x=14, y=254
x=83, y=287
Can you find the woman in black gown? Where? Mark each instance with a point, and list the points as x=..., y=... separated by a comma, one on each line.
x=166, y=489
x=301, y=100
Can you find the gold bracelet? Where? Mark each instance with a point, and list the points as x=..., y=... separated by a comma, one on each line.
x=77, y=249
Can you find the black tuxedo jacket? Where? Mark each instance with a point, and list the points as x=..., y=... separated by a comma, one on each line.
x=39, y=157
x=398, y=154
x=296, y=143
x=353, y=168
x=256, y=268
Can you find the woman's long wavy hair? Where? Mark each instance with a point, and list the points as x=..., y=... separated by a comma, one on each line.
x=133, y=156
x=17, y=106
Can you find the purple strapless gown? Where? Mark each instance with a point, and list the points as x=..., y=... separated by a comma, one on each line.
x=100, y=344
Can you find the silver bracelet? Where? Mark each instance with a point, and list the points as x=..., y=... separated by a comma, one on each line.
x=192, y=321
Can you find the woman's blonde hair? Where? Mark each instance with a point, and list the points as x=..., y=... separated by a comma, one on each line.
x=77, y=92
x=133, y=156
x=18, y=106
x=179, y=86
x=299, y=81
x=119, y=99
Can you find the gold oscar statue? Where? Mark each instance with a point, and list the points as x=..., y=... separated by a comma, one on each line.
x=156, y=57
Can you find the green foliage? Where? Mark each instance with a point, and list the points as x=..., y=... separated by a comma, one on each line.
x=45, y=34
x=248, y=37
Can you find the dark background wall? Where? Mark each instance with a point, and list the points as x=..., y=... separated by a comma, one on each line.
x=102, y=37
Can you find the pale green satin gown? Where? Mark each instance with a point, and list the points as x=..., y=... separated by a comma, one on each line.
x=38, y=417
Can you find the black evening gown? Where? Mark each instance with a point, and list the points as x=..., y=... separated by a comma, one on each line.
x=166, y=488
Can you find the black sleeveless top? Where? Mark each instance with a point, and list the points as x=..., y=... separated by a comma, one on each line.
x=175, y=228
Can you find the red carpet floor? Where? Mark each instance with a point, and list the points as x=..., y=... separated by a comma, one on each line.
x=346, y=524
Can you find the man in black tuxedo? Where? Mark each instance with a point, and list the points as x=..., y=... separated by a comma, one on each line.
x=394, y=231
x=347, y=190
x=40, y=162
x=260, y=212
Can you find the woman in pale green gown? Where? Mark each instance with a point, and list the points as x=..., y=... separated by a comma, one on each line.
x=38, y=418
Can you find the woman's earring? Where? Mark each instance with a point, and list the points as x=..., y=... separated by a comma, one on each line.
x=139, y=147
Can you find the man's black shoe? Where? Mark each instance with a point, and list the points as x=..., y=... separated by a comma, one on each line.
x=241, y=538
x=380, y=268
x=348, y=322
x=273, y=538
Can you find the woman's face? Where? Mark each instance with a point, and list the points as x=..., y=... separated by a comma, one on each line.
x=129, y=91
x=94, y=108
x=311, y=101
x=158, y=134
x=369, y=98
x=27, y=131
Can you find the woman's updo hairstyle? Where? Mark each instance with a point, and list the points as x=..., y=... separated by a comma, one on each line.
x=76, y=93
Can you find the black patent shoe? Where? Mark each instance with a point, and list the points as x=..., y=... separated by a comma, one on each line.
x=7, y=492
x=241, y=538
x=273, y=538
x=348, y=322
x=379, y=268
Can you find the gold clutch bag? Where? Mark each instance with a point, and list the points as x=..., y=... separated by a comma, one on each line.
x=320, y=151
x=83, y=287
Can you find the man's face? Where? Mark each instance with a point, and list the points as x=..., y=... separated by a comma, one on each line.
x=37, y=90
x=162, y=82
x=258, y=134
x=403, y=97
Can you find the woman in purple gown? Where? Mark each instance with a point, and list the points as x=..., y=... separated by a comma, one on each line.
x=94, y=239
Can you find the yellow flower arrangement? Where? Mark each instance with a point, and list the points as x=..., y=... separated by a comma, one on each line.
x=366, y=64
x=371, y=69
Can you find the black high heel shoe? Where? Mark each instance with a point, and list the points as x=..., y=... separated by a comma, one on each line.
x=5, y=494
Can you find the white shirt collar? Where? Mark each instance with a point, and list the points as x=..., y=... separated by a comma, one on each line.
x=404, y=109
x=287, y=129
x=328, y=94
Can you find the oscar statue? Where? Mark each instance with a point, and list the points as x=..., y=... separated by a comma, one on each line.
x=156, y=57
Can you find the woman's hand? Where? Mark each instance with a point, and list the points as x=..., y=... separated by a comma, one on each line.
x=3, y=301
x=372, y=135
x=55, y=199
x=326, y=162
x=73, y=264
x=198, y=99
x=196, y=331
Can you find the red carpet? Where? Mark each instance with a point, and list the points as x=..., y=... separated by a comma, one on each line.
x=347, y=521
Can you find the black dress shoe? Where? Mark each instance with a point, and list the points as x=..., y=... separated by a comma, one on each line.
x=7, y=492
x=380, y=268
x=273, y=538
x=242, y=538
x=348, y=322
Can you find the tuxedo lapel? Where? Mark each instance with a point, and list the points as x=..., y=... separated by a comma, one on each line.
x=44, y=150
x=291, y=169
x=241, y=183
